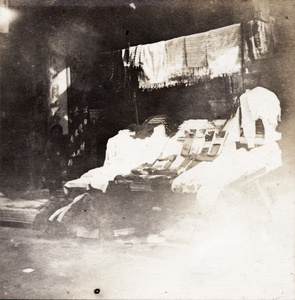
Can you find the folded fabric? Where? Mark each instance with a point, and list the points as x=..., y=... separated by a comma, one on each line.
x=224, y=50
x=197, y=145
x=162, y=164
x=168, y=158
x=177, y=162
x=123, y=154
x=204, y=155
x=191, y=124
x=214, y=150
x=142, y=169
x=187, y=147
x=227, y=168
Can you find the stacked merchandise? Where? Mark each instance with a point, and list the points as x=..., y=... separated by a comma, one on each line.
x=254, y=157
x=146, y=157
x=194, y=142
x=125, y=151
x=19, y=211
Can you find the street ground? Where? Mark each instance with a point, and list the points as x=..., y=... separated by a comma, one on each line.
x=243, y=248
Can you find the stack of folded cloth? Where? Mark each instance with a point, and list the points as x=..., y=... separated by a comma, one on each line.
x=182, y=152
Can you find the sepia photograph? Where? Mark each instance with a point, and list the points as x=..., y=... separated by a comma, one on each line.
x=146, y=149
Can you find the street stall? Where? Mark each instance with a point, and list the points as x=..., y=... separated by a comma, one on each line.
x=141, y=162
x=198, y=156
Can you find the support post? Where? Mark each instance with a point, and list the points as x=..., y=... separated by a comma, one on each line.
x=136, y=110
x=243, y=55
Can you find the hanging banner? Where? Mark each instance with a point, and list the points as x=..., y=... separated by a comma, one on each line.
x=59, y=78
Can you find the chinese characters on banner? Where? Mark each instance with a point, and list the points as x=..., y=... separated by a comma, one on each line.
x=59, y=79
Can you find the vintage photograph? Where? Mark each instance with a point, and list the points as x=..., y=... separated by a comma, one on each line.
x=146, y=149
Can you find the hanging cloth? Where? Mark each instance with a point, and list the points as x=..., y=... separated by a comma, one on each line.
x=135, y=56
x=153, y=64
x=176, y=61
x=113, y=68
x=224, y=50
x=260, y=38
x=126, y=57
x=196, y=57
x=260, y=103
x=196, y=52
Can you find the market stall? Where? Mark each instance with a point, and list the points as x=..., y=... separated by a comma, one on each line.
x=199, y=156
x=146, y=157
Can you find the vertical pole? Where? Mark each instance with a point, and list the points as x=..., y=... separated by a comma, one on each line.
x=136, y=110
x=243, y=56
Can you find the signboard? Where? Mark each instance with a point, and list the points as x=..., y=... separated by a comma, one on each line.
x=59, y=77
